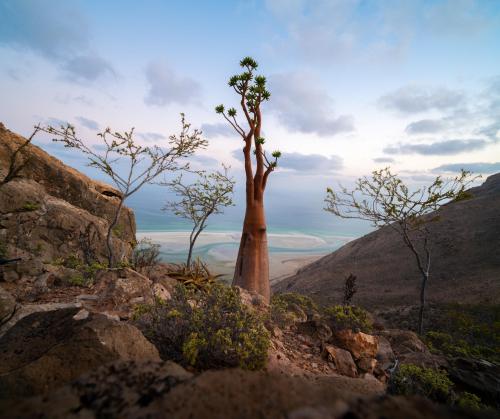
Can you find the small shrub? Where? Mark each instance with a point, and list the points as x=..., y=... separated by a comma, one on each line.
x=414, y=380
x=196, y=275
x=118, y=231
x=205, y=329
x=86, y=272
x=77, y=280
x=466, y=330
x=441, y=342
x=29, y=206
x=350, y=290
x=90, y=271
x=287, y=308
x=469, y=401
x=348, y=317
x=73, y=261
x=146, y=255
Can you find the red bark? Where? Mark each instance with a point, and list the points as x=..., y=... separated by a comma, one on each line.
x=252, y=266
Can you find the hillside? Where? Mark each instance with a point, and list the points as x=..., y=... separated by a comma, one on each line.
x=52, y=211
x=465, y=260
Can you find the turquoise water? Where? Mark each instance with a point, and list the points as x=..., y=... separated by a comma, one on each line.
x=285, y=215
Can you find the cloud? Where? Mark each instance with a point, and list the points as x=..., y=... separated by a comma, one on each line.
x=491, y=131
x=459, y=17
x=384, y=160
x=220, y=129
x=303, y=106
x=56, y=122
x=333, y=31
x=305, y=164
x=58, y=32
x=414, y=99
x=88, y=123
x=472, y=167
x=80, y=99
x=151, y=136
x=438, y=148
x=311, y=163
x=166, y=87
x=204, y=161
x=87, y=68
x=425, y=126
x=329, y=31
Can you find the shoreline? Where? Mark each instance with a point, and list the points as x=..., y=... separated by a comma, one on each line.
x=288, y=252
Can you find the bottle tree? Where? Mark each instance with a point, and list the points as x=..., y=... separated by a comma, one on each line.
x=252, y=265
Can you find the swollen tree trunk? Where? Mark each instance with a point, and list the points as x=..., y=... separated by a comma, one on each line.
x=252, y=266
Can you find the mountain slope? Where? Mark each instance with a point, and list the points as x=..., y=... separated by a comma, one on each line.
x=465, y=264
x=52, y=211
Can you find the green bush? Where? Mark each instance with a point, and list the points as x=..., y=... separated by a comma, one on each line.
x=205, y=329
x=287, y=308
x=77, y=280
x=348, y=317
x=146, y=255
x=86, y=272
x=469, y=401
x=467, y=330
x=411, y=379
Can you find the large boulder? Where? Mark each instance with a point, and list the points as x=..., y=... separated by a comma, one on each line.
x=119, y=290
x=359, y=344
x=479, y=377
x=52, y=211
x=409, y=349
x=47, y=349
x=342, y=360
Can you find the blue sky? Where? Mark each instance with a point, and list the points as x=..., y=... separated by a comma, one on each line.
x=355, y=84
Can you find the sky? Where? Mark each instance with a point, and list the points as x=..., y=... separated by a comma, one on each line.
x=356, y=85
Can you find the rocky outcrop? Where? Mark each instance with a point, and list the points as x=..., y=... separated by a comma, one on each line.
x=465, y=260
x=359, y=344
x=47, y=349
x=478, y=376
x=342, y=360
x=52, y=212
x=409, y=349
x=160, y=390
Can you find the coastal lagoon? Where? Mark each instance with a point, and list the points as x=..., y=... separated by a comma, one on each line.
x=299, y=231
x=287, y=251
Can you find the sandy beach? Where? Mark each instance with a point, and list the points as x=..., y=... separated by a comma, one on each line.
x=288, y=252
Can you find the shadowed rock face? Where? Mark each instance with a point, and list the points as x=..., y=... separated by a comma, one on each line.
x=47, y=349
x=465, y=260
x=53, y=211
x=166, y=390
